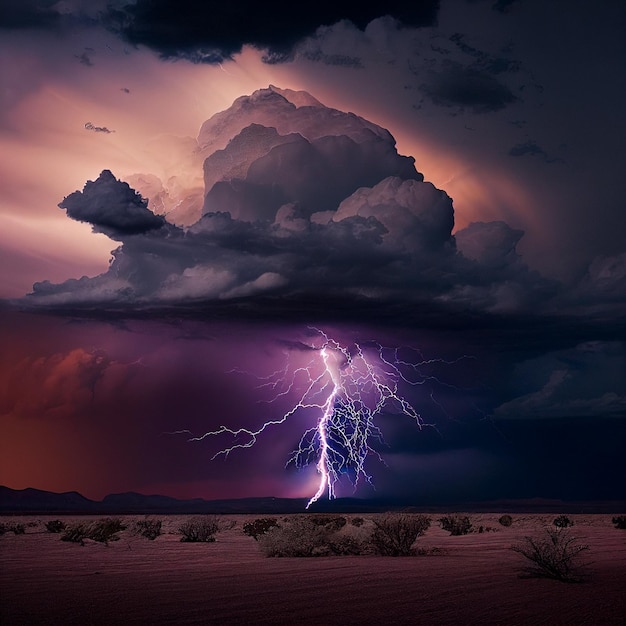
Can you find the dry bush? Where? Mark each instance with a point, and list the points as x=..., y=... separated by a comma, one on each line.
x=148, y=528
x=296, y=536
x=562, y=521
x=103, y=531
x=313, y=535
x=357, y=521
x=259, y=527
x=200, y=529
x=319, y=535
x=14, y=527
x=506, y=521
x=456, y=524
x=554, y=555
x=55, y=526
x=76, y=533
x=487, y=529
x=395, y=533
x=619, y=522
x=330, y=522
x=350, y=543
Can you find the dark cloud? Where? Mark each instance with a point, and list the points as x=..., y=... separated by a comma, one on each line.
x=531, y=148
x=54, y=14
x=111, y=207
x=483, y=60
x=24, y=14
x=585, y=381
x=84, y=59
x=98, y=129
x=504, y=6
x=212, y=32
x=327, y=211
x=333, y=59
x=462, y=87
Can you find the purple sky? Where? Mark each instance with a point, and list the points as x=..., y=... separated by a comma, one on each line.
x=499, y=250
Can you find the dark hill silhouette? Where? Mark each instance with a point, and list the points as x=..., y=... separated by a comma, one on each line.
x=31, y=501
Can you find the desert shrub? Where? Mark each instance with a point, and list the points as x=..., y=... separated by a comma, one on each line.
x=395, y=533
x=103, y=531
x=14, y=527
x=259, y=527
x=314, y=535
x=554, y=555
x=297, y=536
x=148, y=528
x=331, y=523
x=619, y=522
x=55, y=526
x=76, y=533
x=349, y=544
x=200, y=529
x=357, y=521
x=456, y=524
x=562, y=521
x=506, y=520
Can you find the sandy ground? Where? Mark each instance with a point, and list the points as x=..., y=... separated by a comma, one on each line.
x=136, y=581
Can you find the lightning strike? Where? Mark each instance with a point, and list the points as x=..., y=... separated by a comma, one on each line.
x=348, y=387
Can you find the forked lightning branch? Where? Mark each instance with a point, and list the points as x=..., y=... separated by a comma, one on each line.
x=347, y=387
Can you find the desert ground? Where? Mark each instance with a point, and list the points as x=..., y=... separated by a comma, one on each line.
x=469, y=579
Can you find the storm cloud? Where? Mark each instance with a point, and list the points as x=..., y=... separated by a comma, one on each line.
x=112, y=207
x=211, y=33
x=318, y=205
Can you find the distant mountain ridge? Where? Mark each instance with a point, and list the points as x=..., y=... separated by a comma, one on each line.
x=31, y=501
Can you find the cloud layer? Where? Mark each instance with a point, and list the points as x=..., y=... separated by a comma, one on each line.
x=318, y=203
x=212, y=32
x=304, y=202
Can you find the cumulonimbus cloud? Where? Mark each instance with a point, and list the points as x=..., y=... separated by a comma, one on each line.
x=317, y=204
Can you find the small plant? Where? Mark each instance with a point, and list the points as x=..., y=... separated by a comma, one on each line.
x=554, y=555
x=148, y=528
x=103, y=531
x=55, y=526
x=259, y=527
x=456, y=524
x=357, y=521
x=199, y=529
x=395, y=533
x=331, y=523
x=349, y=544
x=562, y=521
x=76, y=533
x=619, y=522
x=506, y=521
x=15, y=527
x=298, y=536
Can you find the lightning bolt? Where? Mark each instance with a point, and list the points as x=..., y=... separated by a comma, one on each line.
x=347, y=386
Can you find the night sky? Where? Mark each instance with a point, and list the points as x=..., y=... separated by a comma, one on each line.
x=195, y=199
